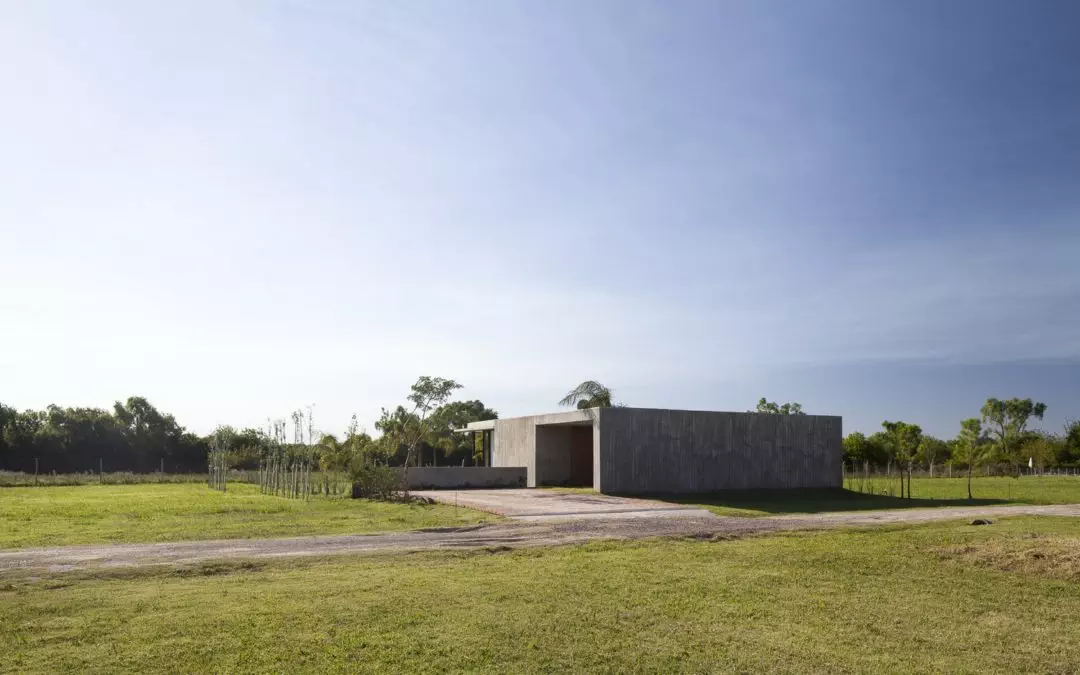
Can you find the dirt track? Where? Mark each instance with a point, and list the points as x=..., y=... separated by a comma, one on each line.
x=512, y=534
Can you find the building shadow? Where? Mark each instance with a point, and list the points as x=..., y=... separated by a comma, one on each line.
x=811, y=500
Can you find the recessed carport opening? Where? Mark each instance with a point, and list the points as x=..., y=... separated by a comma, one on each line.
x=564, y=454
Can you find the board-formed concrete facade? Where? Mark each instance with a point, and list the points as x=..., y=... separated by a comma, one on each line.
x=643, y=450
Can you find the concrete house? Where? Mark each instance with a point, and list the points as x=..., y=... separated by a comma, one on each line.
x=642, y=450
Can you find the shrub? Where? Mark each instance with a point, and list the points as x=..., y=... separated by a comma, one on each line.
x=375, y=482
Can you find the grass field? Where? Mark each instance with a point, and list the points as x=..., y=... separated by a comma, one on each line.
x=940, y=598
x=1025, y=489
x=926, y=493
x=53, y=516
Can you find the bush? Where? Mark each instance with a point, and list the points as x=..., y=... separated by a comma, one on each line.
x=375, y=482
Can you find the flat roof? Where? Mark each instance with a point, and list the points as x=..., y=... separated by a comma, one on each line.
x=476, y=426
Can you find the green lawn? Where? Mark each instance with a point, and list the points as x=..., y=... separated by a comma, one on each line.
x=875, y=494
x=53, y=516
x=935, y=598
x=1022, y=490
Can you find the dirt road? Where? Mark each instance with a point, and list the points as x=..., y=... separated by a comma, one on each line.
x=512, y=534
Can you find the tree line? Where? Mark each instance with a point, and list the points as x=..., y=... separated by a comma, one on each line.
x=136, y=436
x=133, y=436
x=998, y=437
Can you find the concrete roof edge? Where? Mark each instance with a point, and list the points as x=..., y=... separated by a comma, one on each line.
x=575, y=413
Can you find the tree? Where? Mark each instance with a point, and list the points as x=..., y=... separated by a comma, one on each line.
x=773, y=408
x=457, y=415
x=904, y=441
x=409, y=428
x=357, y=443
x=149, y=434
x=856, y=447
x=6, y=414
x=1007, y=421
x=249, y=445
x=222, y=438
x=191, y=453
x=931, y=451
x=588, y=394
x=1069, y=452
x=969, y=445
x=334, y=455
x=878, y=448
x=395, y=427
x=1042, y=447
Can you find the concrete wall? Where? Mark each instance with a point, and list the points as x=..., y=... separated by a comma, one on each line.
x=546, y=454
x=647, y=450
x=450, y=477
x=514, y=444
x=553, y=457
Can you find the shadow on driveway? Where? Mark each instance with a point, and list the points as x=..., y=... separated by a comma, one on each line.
x=810, y=501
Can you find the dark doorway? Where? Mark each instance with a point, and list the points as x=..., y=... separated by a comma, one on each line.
x=581, y=456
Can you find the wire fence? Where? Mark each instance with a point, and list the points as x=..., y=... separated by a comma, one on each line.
x=865, y=470
x=948, y=482
x=326, y=483
x=53, y=479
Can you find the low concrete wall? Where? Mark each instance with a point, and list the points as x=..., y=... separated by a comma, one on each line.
x=456, y=477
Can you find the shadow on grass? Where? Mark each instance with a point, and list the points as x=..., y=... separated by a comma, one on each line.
x=811, y=501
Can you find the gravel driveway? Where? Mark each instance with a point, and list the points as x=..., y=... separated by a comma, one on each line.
x=513, y=535
x=548, y=504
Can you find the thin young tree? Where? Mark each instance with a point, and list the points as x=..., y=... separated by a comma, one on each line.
x=969, y=442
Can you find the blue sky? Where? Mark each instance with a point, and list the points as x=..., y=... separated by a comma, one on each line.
x=237, y=209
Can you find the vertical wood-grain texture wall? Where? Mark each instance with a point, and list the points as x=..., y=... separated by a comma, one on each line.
x=646, y=450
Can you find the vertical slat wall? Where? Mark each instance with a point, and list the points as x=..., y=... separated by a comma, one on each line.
x=647, y=450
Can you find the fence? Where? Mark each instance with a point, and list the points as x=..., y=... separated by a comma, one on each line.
x=327, y=483
x=855, y=470
x=936, y=484
x=21, y=479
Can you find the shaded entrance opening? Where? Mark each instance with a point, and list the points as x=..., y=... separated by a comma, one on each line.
x=564, y=454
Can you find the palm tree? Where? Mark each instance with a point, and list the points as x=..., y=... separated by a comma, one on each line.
x=588, y=394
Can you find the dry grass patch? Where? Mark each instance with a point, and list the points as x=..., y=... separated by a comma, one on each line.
x=1046, y=555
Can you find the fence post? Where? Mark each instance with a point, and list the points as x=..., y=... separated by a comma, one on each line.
x=100, y=473
x=35, y=470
